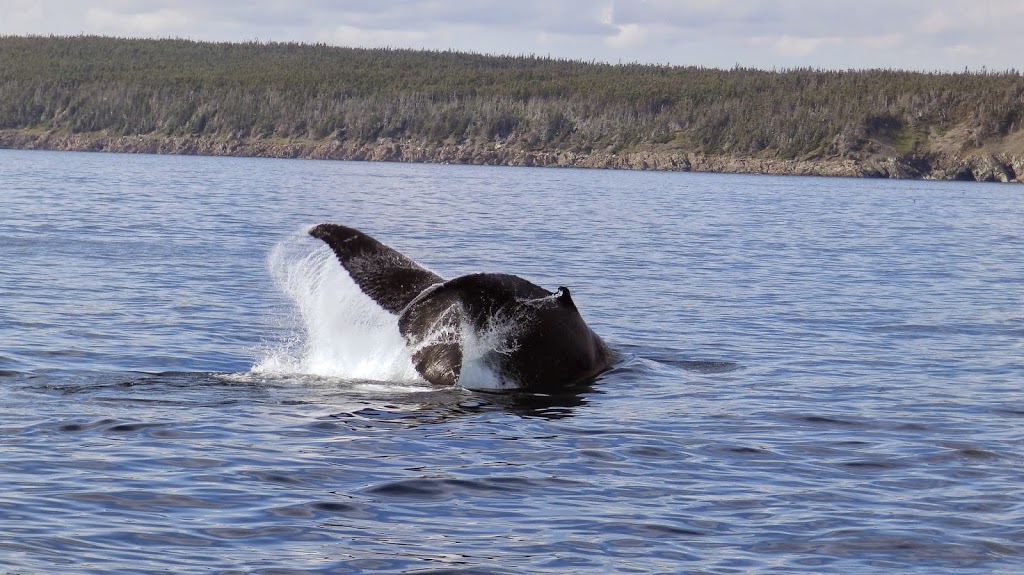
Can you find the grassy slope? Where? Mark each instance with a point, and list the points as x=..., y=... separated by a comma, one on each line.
x=82, y=85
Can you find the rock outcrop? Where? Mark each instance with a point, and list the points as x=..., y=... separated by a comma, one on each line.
x=981, y=167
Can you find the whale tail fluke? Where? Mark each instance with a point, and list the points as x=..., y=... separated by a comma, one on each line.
x=389, y=278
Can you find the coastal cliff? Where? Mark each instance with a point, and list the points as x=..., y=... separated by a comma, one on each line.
x=1001, y=167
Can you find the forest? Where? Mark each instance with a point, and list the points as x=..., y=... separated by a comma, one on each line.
x=312, y=92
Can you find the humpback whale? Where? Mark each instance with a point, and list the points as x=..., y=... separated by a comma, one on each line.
x=482, y=330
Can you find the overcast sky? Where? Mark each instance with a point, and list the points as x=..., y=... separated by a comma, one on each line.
x=842, y=34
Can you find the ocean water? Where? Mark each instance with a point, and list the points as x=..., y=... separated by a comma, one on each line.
x=817, y=375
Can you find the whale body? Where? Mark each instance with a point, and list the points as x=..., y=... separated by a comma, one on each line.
x=482, y=330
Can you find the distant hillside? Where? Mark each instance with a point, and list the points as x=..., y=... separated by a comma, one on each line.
x=297, y=100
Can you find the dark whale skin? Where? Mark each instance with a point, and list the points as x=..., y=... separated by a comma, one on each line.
x=533, y=339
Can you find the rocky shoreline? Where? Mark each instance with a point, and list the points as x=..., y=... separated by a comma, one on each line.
x=936, y=166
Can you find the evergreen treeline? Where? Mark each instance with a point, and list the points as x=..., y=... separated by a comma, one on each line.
x=181, y=87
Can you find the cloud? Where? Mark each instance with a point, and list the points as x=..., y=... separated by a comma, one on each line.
x=629, y=35
x=795, y=46
x=138, y=23
x=21, y=12
x=378, y=38
x=940, y=34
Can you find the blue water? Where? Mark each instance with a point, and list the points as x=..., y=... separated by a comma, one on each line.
x=818, y=375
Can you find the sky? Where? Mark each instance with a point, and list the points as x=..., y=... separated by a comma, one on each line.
x=926, y=35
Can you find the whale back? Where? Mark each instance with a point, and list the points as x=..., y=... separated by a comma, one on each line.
x=388, y=277
x=532, y=338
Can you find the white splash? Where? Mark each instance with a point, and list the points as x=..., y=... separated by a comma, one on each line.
x=339, y=331
x=478, y=346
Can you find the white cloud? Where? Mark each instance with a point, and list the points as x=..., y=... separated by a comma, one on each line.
x=939, y=34
x=159, y=22
x=370, y=38
x=881, y=43
x=794, y=46
x=964, y=50
x=938, y=21
x=22, y=12
x=629, y=35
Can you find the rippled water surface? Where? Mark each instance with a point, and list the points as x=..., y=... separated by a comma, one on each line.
x=818, y=375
